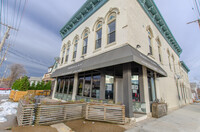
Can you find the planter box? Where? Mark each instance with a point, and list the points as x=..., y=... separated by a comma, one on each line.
x=41, y=92
x=19, y=95
x=32, y=92
x=159, y=110
x=12, y=94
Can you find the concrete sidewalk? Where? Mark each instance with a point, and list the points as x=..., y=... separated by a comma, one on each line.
x=186, y=119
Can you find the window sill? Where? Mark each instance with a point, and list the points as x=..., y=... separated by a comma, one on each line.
x=152, y=57
x=110, y=44
x=83, y=56
x=96, y=50
x=73, y=60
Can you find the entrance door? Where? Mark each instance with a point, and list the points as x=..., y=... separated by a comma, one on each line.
x=109, y=87
x=135, y=88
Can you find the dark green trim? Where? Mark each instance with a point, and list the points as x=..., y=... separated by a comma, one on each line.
x=154, y=14
x=185, y=67
x=88, y=9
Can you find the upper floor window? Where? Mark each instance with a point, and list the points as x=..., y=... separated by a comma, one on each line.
x=85, y=42
x=75, y=48
x=112, y=28
x=150, y=39
x=174, y=63
x=159, y=50
x=98, y=35
x=67, y=54
x=63, y=55
x=169, y=60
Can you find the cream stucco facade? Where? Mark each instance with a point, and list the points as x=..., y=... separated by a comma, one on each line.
x=134, y=28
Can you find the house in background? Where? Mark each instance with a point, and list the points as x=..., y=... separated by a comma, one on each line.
x=35, y=80
x=121, y=51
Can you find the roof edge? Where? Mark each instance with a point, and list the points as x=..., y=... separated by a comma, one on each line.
x=154, y=14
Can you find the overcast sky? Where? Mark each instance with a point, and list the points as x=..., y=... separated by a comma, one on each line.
x=39, y=41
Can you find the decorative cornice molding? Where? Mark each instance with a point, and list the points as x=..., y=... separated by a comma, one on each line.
x=88, y=9
x=154, y=14
x=184, y=66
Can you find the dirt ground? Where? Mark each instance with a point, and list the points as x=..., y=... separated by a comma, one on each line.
x=34, y=129
x=92, y=126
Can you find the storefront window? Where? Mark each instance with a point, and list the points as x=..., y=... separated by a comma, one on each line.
x=80, y=86
x=87, y=86
x=71, y=86
x=58, y=86
x=109, y=87
x=96, y=86
x=61, y=86
x=151, y=86
x=135, y=88
x=66, y=86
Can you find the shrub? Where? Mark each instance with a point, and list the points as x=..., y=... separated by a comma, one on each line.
x=47, y=86
x=32, y=86
x=21, y=84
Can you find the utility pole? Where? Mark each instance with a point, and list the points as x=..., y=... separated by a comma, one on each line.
x=4, y=75
x=6, y=35
x=4, y=56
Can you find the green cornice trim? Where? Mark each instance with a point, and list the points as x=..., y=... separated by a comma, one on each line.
x=154, y=14
x=185, y=67
x=88, y=9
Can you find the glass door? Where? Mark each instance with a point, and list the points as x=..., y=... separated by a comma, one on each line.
x=109, y=87
x=135, y=88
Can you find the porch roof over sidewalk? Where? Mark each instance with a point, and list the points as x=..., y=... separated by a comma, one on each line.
x=121, y=55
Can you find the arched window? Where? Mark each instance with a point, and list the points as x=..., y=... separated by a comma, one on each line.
x=75, y=42
x=85, y=41
x=150, y=39
x=98, y=35
x=173, y=59
x=111, y=28
x=67, y=53
x=159, y=50
x=169, y=60
x=63, y=55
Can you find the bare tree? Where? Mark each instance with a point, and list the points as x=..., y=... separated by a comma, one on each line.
x=16, y=71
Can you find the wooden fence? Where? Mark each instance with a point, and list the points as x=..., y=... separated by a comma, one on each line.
x=106, y=112
x=25, y=114
x=55, y=113
x=45, y=114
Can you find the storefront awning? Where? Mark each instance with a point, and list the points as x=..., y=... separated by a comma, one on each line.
x=117, y=56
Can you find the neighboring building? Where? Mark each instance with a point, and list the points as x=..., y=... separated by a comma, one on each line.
x=35, y=80
x=198, y=91
x=47, y=76
x=121, y=51
x=194, y=89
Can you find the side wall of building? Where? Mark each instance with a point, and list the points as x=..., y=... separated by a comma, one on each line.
x=168, y=88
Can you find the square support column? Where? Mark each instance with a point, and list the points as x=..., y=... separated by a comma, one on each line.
x=145, y=89
x=102, y=86
x=75, y=86
x=54, y=89
x=127, y=94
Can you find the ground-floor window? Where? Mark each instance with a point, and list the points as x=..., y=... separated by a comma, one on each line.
x=135, y=88
x=89, y=85
x=109, y=87
x=65, y=85
x=151, y=85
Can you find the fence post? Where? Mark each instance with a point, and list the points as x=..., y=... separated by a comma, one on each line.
x=65, y=112
x=104, y=112
x=87, y=109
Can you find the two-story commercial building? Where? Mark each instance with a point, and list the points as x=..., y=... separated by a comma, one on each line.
x=121, y=51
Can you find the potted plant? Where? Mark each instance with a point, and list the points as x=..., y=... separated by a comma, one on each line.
x=159, y=108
